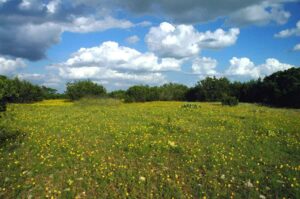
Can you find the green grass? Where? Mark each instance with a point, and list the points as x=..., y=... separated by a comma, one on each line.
x=150, y=150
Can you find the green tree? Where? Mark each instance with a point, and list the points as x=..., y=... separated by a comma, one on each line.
x=210, y=89
x=85, y=88
x=172, y=91
x=282, y=88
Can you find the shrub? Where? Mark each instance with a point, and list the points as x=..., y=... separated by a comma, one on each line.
x=190, y=106
x=86, y=88
x=118, y=94
x=2, y=105
x=142, y=93
x=230, y=101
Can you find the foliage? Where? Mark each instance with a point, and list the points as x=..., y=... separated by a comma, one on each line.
x=282, y=88
x=230, y=101
x=24, y=92
x=50, y=93
x=7, y=136
x=166, y=92
x=151, y=150
x=118, y=94
x=172, y=92
x=211, y=89
x=21, y=91
x=3, y=93
x=141, y=93
x=85, y=88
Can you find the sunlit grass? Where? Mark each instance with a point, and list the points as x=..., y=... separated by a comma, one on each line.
x=151, y=150
x=57, y=102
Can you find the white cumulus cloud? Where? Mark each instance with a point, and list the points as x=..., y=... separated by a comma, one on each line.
x=244, y=67
x=9, y=66
x=182, y=41
x=113, y=63
x=111, y=55
x=219, y=38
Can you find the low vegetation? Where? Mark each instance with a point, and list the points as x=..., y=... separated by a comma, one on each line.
x=150, y=150
x=230, y=101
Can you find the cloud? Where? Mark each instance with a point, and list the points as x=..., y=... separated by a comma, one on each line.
x=197, y=11
x=31, y=76
x=82, y=16
x=132, y=39
x=97, y=73
x=181, y=41
x=259, y=14
x=111, y=55
x=189, y=11
x=49, y=80
x=219, y=38
x=204, y=66
x=52, y=6
x=36, y=39
x=90, y=24
x=289, y=32
x=29, y=41
x=113, y=63
x=10, y=66
x=244, y=67
x=296, y=47
x=30, y=27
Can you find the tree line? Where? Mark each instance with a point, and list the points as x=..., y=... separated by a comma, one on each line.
x=21, y=91
x=281, y=89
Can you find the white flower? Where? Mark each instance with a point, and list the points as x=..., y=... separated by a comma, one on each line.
x=262, y=196
x=249, y=184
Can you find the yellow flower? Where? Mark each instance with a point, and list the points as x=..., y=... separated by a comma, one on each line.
x=142, y=178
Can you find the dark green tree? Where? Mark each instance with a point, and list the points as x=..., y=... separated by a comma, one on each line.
x=210, y=89
x=282, y=88
x=172, y=92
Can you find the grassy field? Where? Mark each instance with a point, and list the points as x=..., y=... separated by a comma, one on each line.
x=96, y=149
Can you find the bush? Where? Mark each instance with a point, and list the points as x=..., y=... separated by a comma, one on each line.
x=190, y=106
x=2, y=105
x=118, y=94
x=142, y=93
x=86, y=88
x=172, y=92
x=230, y=101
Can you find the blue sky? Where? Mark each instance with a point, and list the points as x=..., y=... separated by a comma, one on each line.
x=121, y=43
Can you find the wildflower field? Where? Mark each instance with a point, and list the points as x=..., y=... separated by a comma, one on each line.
x=150, y=150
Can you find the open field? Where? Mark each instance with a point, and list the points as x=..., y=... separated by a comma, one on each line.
x=150, y=150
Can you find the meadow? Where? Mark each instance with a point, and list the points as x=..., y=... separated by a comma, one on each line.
x=99, y=149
